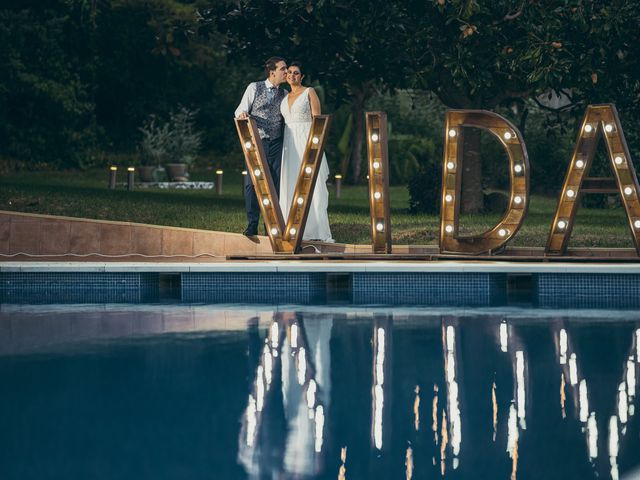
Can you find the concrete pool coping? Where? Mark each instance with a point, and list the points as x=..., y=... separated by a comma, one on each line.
x=325, y=266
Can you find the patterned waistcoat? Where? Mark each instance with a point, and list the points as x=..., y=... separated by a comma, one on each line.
x=267, y=113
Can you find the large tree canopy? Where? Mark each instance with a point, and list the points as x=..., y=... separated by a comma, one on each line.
x=471, y=54
x=350, y=46
x=81, y=75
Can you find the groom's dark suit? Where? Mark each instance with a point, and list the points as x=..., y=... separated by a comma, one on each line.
x=262, y=102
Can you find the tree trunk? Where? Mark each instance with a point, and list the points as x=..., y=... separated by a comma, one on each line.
x=472, y=197
x=523, y=121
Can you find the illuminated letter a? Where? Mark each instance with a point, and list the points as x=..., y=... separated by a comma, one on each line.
x=598, y=119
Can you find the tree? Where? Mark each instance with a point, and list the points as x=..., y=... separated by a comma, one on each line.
x=486, y=54
x=46, y=110
x=349, y=46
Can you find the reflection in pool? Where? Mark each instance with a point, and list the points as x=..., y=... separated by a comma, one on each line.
x=204, y=392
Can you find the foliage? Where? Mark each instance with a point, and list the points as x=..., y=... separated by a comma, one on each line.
x=155, y=141
x=353, y=63
x=183, y=141
x=415, y=131
x=46, y=112
x=172, y=141
x=81, y=76
x=425, y=189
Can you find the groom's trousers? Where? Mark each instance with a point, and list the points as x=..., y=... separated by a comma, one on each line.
x=273, y=151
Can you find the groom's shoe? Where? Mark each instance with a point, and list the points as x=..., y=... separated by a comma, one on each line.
x=250, y=231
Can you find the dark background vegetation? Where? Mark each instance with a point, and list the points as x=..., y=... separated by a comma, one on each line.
x=79, y=77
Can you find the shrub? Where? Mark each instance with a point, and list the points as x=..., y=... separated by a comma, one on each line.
x=184, y=141
x=175, y=140
x=156, y=138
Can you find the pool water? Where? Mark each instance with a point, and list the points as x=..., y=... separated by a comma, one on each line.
x=233, y=392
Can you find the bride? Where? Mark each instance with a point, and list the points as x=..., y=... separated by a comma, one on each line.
x=298, y=108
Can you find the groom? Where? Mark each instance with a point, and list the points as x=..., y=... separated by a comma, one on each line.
x=261, y=101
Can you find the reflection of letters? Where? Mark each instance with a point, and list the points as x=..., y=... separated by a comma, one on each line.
x=283, y=426
x=596, y=422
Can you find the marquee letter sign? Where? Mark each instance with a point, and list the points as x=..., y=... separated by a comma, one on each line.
x=511, y=139
x=598, y=120
x=378, y=160
x=284, y=239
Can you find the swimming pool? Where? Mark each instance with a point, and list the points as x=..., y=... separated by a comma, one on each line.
x=232, y=392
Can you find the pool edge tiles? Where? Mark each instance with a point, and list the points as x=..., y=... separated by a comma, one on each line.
x=78, y=287
x=438, y=288
x=253, y=287
x=614, y=290
x=446, y=284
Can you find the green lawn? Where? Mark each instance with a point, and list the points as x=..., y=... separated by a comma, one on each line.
x=85, y=194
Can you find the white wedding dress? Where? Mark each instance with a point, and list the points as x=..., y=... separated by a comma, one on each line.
x=296, y=132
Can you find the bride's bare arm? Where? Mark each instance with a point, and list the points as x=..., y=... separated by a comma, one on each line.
x=315, y=102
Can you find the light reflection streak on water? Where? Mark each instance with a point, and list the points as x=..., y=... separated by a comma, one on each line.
x=631, y=378
x=592, y=436
x=445, y=441
x=268, y=365
x=251, y=421
x=521, y=394
x=434, y=413
x=623, y=404
x=408, y=462
x=377, y=416
x=504, y=338
x=416, y=409
x=573, y=369
x=453, y=391
x=294, y=336
x=494, y=403
x=311, y=393
x=378, y=392
x=583, y=401
x=319, y=420
x=563, y=346
x=342, y=472
x=512, y=439
x=301, y=366
x=274, y=337
x=614, y=442
x=563, y=396
x=260, y=388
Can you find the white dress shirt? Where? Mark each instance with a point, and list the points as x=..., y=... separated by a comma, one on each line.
x=249, y=96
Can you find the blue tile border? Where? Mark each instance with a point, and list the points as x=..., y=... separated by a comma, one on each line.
x=587, y=290
x=550, y=290
x=78, y=287
x=451, y=289
x=254, y=287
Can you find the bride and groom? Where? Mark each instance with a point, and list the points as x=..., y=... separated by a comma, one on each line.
x=284, y=122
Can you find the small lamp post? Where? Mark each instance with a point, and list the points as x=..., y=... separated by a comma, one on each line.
x=338, y=185
x=113, y=171
x=131, y=172
x=219, y=182
x=244, y=179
